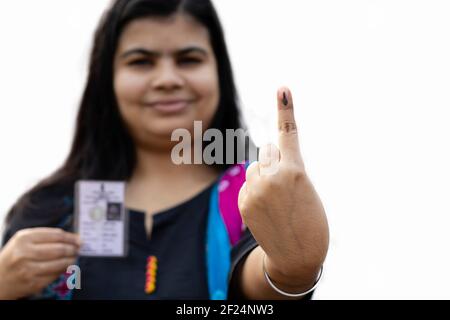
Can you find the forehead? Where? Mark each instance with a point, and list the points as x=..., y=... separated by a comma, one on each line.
x=164, y=33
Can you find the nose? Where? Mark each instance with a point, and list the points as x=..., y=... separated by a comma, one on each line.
x=167, y=77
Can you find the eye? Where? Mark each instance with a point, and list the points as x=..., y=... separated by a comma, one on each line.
x=140, y=62
x=189, y=61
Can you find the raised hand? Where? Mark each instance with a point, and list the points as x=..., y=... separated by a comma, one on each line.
x=279, y=204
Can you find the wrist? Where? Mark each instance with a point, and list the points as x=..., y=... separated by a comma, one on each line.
x=293, y=277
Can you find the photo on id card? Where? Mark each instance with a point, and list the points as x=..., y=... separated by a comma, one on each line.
x=101, y=218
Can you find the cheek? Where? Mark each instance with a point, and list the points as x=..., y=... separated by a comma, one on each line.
x=129, y=88
x=207, y=85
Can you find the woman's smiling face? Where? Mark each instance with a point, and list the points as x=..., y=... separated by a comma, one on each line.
x=165, y=78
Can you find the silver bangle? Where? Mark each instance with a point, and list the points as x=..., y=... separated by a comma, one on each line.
x=287, y=294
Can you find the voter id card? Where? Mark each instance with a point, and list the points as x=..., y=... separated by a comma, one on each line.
x=101, y=219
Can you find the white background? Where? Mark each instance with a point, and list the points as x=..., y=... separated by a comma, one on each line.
x=371, y=84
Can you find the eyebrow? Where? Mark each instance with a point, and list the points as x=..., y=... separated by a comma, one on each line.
x=152, y=53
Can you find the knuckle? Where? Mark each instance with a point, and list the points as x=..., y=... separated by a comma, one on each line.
x=29, y=252
x=273, y=183
x=287, y=127
x=22, y=234
x=293, y=172
x=258, y=196
x=59, y=235
x=243, y=208
x=61, y=250
x=17, y=257
x=250, y=172
x=245, y=215
x=298, y=175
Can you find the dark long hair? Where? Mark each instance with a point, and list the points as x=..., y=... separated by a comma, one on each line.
x=102, y=147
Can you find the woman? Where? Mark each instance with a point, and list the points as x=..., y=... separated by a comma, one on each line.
x=156, y=66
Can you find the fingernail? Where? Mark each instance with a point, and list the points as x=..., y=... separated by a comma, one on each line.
x=285, y=100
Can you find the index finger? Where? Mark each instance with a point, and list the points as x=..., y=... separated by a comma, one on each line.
x=287, y=127
x=51, y=235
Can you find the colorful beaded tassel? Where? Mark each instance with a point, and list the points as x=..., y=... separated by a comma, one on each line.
x=152, y=266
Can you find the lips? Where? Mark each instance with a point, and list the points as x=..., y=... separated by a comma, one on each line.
x=170, y=106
